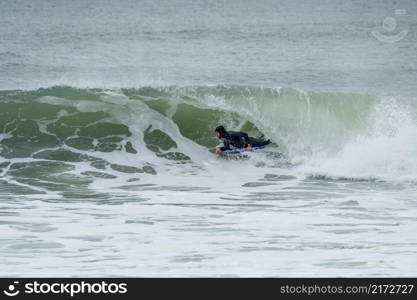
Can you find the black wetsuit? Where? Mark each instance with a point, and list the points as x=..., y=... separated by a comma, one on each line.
x=238, y=139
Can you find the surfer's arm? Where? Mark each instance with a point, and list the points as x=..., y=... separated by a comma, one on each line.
x=220, y=147
x=248, y=146
x=247, y=141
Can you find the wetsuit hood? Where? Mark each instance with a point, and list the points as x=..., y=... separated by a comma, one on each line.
x=221, y=130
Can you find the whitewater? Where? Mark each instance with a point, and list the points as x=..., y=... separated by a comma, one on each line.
x=107, y=117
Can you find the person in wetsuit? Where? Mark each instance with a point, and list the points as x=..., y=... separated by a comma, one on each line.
x=236, y=139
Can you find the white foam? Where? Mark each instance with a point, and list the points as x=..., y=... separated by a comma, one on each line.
x=387, y=151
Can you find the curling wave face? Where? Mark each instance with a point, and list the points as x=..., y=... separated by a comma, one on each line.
x=63, y=138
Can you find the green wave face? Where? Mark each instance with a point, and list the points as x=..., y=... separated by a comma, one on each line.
x=73, y=119
x=47, y=134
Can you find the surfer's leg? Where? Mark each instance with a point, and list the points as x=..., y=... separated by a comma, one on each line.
x=258, y=142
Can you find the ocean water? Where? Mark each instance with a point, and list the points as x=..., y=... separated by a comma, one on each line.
x=107, y=111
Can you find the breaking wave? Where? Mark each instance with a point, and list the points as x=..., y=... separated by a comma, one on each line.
x=61, y=138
